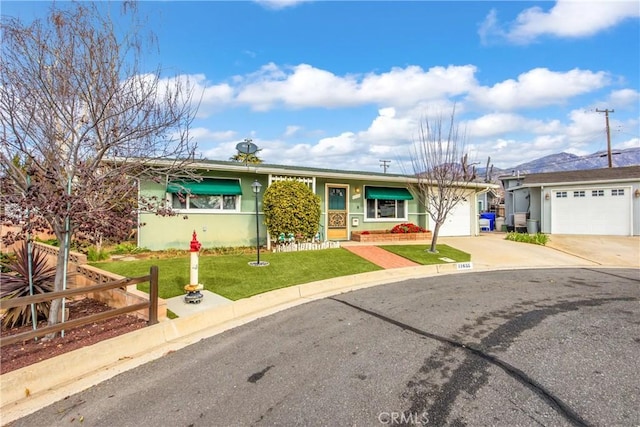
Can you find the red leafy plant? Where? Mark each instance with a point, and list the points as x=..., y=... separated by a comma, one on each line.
x=407, y=227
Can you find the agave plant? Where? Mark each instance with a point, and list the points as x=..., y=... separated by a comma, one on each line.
x=15, y=284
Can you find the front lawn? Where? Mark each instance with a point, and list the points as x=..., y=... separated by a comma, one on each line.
x=421, y=255
x=232, y=277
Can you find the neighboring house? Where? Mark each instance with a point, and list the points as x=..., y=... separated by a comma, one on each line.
x=491, y=201
x=593, y=201
x=221, y=208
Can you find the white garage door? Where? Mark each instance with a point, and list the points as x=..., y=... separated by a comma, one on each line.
x=458, y=222
x=595, y=211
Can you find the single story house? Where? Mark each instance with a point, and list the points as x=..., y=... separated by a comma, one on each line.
x=221, y=208
x=591, y=202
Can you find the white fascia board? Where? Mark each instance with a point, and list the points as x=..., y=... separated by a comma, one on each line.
x=266, y=170
x=583, y=182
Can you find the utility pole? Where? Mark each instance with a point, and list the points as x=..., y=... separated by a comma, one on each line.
x=384, y=164
x=606, y=112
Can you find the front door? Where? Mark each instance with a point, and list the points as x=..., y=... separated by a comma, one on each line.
x=337, y=212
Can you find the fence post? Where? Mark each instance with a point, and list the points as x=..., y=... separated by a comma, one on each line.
x=153, y=295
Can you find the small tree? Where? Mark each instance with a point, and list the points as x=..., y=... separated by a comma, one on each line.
x=442, y=172
x=81, y=121
x=247, y=158
x=291, y=207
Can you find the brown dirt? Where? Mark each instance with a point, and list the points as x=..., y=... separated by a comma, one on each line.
x=19, y=355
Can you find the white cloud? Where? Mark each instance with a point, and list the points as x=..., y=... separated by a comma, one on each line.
x=566, y=19
x=494, y=124
x=502, y=120
x=538, y=87
x=630, y=143
x=304, y=86
x=390, y=127
x=624, y=98
x=504, y=123
x=337, y=146
x=280, y=4
x=291, y=131
x=406, y=86
x=201, y=133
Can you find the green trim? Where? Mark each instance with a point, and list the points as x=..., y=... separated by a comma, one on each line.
x=225, y=187
x=387, y=193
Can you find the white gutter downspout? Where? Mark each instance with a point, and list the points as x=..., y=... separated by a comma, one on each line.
x=475, y=209
x=542, y=207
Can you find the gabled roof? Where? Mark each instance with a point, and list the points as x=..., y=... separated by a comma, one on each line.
x=621, y=174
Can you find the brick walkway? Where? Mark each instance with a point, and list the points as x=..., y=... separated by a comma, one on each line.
x=380, y=257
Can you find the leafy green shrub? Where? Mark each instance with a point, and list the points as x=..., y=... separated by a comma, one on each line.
x=4, y=260
x=15, y=284
x=127, y=248
x=93, y=254
x=50, y=242
x=536, y=239
x=290, y=207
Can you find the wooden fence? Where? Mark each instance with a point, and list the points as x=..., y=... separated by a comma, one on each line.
x=152, y=305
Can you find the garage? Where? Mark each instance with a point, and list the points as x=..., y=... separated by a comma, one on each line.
x=458, y=221
x=592, y=210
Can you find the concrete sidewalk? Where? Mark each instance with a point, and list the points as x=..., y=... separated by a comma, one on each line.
x=28, y=389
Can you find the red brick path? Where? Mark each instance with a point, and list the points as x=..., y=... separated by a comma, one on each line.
x=378, y=256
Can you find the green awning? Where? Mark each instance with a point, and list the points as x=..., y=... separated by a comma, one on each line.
x=225, y=187
x=387, y=193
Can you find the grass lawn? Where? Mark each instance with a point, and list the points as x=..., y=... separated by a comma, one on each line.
x=420, y=254
x=232, y=277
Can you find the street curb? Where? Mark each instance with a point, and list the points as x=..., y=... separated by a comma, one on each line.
x=25, y=390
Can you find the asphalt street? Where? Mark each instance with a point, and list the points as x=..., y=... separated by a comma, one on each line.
x=549, y=347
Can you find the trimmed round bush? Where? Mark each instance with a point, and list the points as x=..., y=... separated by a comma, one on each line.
x=290, y=207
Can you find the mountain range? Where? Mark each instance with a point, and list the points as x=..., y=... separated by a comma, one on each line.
x=567, y=162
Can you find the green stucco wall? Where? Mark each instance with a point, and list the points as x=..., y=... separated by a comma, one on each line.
x=234, y=229
x=225, y=229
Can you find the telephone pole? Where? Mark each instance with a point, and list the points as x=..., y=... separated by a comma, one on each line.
x=384, y=164
x=606, y=112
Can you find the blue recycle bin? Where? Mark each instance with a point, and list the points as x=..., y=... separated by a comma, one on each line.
x=491, y=216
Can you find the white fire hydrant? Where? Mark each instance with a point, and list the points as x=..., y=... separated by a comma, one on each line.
x=194, y=296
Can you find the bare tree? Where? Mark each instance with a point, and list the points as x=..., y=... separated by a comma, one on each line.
x=80, y=121
x=442, y=172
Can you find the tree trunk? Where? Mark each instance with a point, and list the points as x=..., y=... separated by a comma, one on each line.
x=434, y=238
x=56, y=305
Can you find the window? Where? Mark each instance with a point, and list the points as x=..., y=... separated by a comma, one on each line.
x=385, y=203
x=208, y=195
x=194, y=201
x=597, y=193
x=561, y=195
x=578, y=193
x=617, y=192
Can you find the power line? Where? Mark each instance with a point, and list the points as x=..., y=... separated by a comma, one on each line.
x=384, y=164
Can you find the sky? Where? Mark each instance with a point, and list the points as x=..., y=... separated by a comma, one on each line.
x=348, y=84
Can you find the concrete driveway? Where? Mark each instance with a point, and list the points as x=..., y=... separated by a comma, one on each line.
x=504, y=348
x=491, y=251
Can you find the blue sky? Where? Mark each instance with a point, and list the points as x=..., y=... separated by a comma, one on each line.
x=345, y=84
